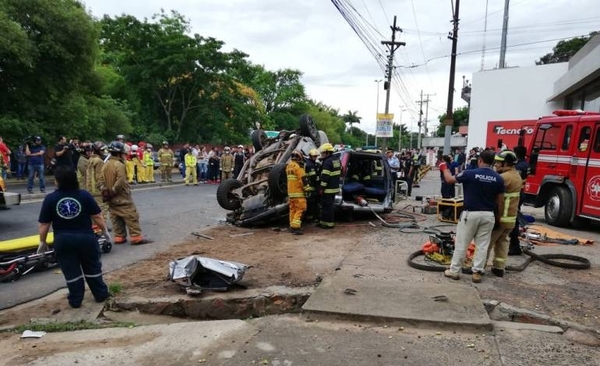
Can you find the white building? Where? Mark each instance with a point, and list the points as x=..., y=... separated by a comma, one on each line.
x=531, y=92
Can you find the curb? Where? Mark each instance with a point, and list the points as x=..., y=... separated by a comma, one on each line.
x=500, y=311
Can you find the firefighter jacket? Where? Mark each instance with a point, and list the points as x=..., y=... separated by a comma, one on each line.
x=297, y=182
x=148, y=159
x=82, y=164
x=166, y=157
x=311, y=168
x=94, y=179
x=190, y=160
x=226, y=163
x=115, y=178
x=330, y=175
x=510, y=206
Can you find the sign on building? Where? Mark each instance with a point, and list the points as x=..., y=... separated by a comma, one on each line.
x=384, y=125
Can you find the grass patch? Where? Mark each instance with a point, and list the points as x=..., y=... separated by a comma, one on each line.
x=54, y=327
x=115, y=288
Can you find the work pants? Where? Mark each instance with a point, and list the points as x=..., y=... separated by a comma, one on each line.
x=297, y=209
x=103, y=207
x=327, y=210
x=312, y=207
x=150, y=173
x=123, y=218
x=473, y=225
x=448, y=190
x=227, y=175
x=78, y=255
x=33, y=169
x=499, y=246
x=140, y=171
x=165, y=173
x=130, y=169
x=190, y=175
x=409, y=183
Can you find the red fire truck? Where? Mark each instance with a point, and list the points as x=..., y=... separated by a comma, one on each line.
x=508, y=133
x=564, y=158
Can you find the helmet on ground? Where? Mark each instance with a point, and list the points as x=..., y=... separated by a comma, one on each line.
x=297, y=156
x=326, y=147
x=116, y=147
x=313, y=152
x=506, y=156
x=98, y=146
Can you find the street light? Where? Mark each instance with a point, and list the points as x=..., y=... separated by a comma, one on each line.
x=402, y=109
x=377, y=111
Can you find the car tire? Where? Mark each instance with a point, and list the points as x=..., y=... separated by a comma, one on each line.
x=277, y=181
x=259, y=139
x=558, y=208
x=226, y=199
x=308, y=127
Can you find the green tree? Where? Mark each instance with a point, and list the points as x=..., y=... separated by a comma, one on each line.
x=461, y=118
x=564, y=50
x=351, y=118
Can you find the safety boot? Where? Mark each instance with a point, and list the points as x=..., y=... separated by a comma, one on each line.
x=452, y=275
x=120, y=240
x=498, y=272
x=296, y=231
x=476, y=277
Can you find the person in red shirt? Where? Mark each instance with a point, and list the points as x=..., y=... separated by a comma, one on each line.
x=5, y=152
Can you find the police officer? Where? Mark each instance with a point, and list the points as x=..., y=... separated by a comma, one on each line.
x=483, y=190
x=508, y=209
x=123, y=213
x=238, y=159
x=330, y=185
x=297, y=186
x=71, y=211
x=312, y=169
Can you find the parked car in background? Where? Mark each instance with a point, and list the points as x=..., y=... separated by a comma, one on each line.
x=259, y=193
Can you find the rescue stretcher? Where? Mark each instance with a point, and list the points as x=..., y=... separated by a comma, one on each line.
x=19, y=256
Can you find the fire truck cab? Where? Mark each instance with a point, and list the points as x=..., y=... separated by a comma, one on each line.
x=564, y=160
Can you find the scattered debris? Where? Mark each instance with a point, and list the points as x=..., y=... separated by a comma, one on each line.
x=242, y=234
x=350, y=291
x=198, y=273
x=202, y=236
x=442, y=298
x=32, y=334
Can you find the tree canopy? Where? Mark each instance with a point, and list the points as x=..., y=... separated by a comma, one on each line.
x=461, y=118
x=564, y=50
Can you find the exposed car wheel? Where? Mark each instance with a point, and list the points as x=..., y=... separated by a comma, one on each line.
x=225, y=196
x=259, y=139
x=278, y=181
x=558, y=208
x=308, y=127
x=323, y=139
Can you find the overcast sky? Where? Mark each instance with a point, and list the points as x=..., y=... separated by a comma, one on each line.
x=312, y=36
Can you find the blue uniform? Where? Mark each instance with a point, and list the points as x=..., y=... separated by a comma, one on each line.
x=480, y=186
x=75, y=244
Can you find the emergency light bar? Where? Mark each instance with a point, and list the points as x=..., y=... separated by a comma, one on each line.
x=575, y=112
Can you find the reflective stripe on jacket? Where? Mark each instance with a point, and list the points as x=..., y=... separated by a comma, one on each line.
x=296, y=178
x=310, y=168
x=510, y=206
x=190, y=160
x=330, y=175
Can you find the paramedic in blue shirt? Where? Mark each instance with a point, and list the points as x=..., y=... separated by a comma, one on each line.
x=70, y=211
x=483, y=191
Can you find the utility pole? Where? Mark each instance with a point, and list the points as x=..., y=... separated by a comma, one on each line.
x=392, y=47
x=449, y=113
x=376, y=113
x=426, y=101
x=402, y=109
x=502, y=63
x=420, y=123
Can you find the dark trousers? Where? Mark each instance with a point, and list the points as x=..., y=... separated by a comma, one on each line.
x=327, y=210
x=409, y=182
x=78, y=255
x=312, y=207
x=448, y=190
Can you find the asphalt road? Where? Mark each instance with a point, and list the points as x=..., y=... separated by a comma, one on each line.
x=168, y=214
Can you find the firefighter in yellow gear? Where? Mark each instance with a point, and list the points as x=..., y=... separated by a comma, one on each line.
x=149, y=162
x=297, y=186
x=226, y=164
x=165, y=157
x=82, y=164
x=116, y=191
x=190, y=168
x=312, y=169
x=139, y=170
x=94, y=179
x=505, y=165
x=330, y=185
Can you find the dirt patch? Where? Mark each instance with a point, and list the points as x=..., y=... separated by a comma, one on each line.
x=276, y=257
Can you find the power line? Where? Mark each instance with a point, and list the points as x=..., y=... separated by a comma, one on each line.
x=420, y=41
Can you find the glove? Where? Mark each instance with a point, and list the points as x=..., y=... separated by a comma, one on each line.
x=42, y=248
x=442, y=167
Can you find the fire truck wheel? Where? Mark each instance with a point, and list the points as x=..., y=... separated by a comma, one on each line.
x=559, y=206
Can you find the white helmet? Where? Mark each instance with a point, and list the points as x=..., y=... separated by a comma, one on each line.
x=134, y=147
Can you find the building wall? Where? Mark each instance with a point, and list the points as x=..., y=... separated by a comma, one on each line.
x=513, y=93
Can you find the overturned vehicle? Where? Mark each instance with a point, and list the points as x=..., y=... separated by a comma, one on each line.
x=259, y=193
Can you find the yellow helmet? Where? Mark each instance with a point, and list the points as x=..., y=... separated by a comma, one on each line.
x=313, y=152
x=506, y=156
x=297, y=156
x=326, y=147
